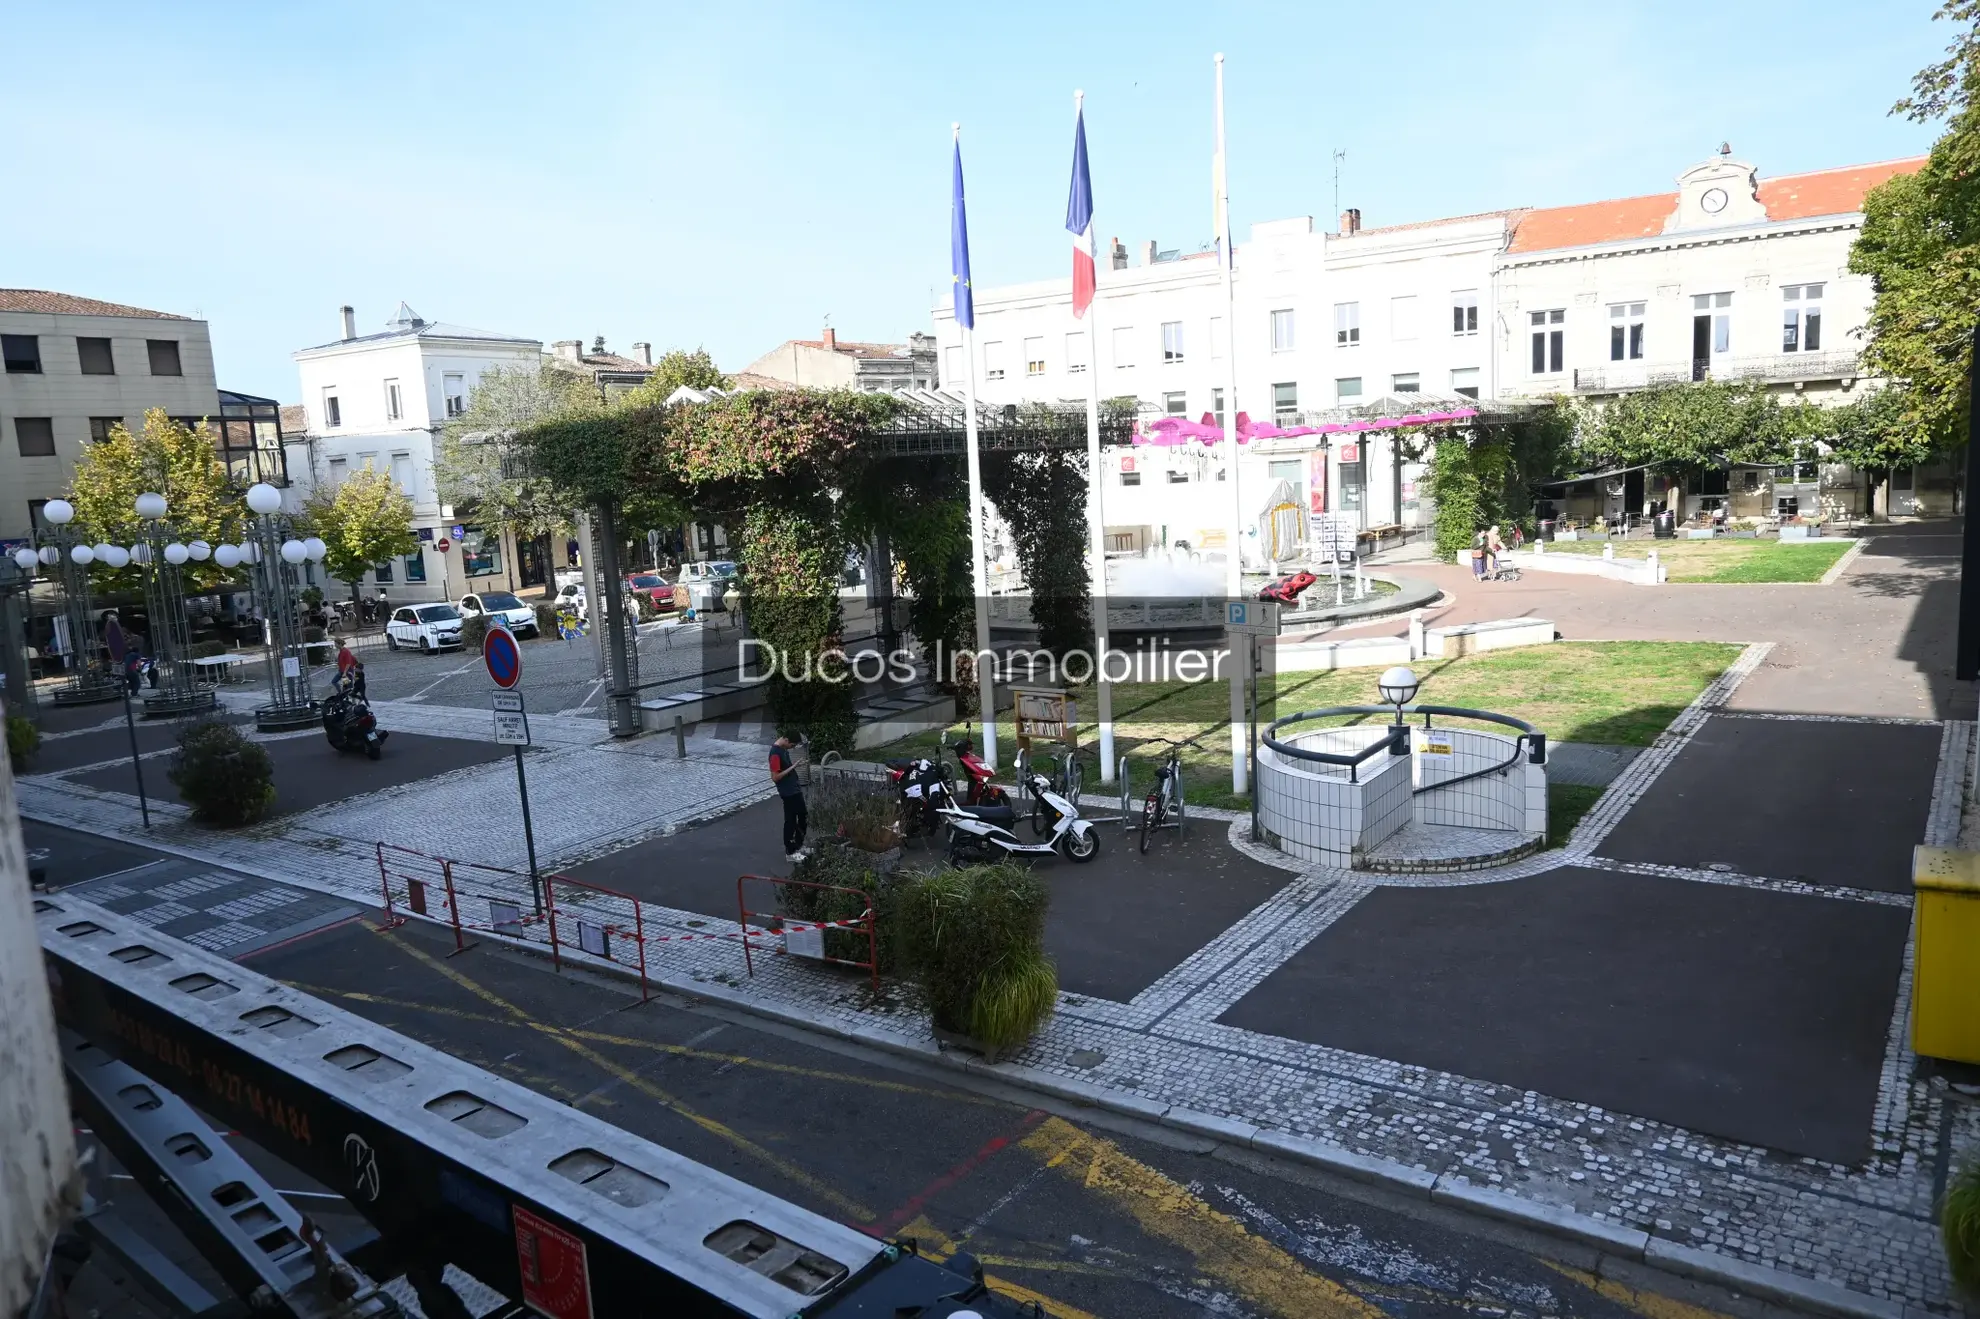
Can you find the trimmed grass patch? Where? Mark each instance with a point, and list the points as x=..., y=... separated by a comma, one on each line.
x=1566, y=804
x=1725, y=560
x=1623, y=692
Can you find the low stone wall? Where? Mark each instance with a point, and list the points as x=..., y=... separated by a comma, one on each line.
x=1326, y=656
x=1498, y=634
x=1636, y=572
x=1317, y=812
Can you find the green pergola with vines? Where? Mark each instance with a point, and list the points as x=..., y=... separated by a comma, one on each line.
x=805, y=476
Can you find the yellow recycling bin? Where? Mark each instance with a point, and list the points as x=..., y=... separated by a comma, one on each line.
x=1945, y=997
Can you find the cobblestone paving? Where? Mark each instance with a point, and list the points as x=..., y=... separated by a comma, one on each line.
x=1867, y=1228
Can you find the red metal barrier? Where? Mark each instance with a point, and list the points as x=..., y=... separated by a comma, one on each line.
x=603, y=911
x=864, y=923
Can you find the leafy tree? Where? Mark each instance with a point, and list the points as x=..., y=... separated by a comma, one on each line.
x=366, y=521
x=1683, y=428
x=674, y=369
x=175, y=460
x=476, y=465
x=1920, y=246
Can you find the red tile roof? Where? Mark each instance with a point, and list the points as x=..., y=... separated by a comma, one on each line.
x=1791, y=197
x=68, y=304
x=857, y=349
x=295, y=420
x=750, y=380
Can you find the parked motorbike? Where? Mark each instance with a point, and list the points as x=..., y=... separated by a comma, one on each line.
x=924, y=784
x=981, y=791
x=983, y=833
x=348, y=722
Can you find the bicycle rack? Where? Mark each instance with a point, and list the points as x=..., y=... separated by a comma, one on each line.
x=1131, y=808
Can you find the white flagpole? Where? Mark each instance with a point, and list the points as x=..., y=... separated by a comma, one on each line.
x=1240, y=645
x=1096, y=517
x=985, y=663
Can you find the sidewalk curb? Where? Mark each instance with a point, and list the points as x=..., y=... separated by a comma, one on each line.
x=1806, y=1294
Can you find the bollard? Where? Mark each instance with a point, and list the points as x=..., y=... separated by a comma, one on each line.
x=1608, y=549
x=680, y=738
x=1416, y=634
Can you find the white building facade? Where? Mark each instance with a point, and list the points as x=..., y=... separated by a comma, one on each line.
x=379, y=401
x=1383, y=321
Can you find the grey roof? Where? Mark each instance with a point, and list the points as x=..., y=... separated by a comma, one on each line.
x=406, y=324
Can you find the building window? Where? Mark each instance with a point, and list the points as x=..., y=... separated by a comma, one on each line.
x=1464, y=311
x=1178, y=476
x=339, y=469
x=402, y=475
x=1075, y=353
x=1464, y=381
x=1218, y=338
x=382, y=572
x=1172, y=343
x=95, y=357
x=22, y=353
x=1402, y=318
x=952, y=364
x=1405, y=382
x=1347, y=324
x=453, y=387
x=1175, y=405
x=481, y=552
x=333, y=411
x=1282, y=331
x=1217, y=406
x=1034, y=355
x=1347, y=387
x=1129, y=476
x=1123, y=347
x=1711, y=329
x=416, y=567
x=393, y=409
x=35, y=436
x=993, y=360
x=1285, y=403
x=1801, y=318
x=164, y=355
x=1549, y=340
x=100, y=428
x=1626, y=332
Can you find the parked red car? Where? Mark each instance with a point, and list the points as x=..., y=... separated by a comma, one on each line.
x=657, y=589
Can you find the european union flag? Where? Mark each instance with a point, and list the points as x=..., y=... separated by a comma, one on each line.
x=965, y=299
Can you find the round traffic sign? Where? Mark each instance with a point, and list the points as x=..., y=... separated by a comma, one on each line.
x=502, y=656
x=443, y=544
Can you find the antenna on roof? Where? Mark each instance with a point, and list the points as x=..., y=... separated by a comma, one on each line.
x=1340, y=154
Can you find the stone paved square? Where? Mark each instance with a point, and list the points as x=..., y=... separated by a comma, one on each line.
x=1758, y=1017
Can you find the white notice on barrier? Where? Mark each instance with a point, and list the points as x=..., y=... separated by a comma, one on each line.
x=291, y=667
x=506, y=917
x=804, y=943
x=592, y=939
x=1434, y=744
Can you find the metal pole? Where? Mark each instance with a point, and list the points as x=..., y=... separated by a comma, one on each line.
x=979, y=567
x=529, y=834
x=1967, y=666
x=1234, y=567
x=137, y=765
x=1096, y=516
x=620, y=698
x=588, y=570
x=1251, y=751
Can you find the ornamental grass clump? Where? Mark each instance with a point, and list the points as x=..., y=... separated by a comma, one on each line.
x=225, y=778
x=1959, y=1225
x=974, y=937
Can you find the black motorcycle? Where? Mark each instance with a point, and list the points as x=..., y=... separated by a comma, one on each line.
x=349, y=723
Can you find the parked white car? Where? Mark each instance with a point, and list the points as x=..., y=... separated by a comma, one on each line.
x=520, y=617
x=429, y=629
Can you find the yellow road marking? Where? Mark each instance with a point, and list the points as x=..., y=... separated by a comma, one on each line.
x=850, y=1206
x=1649, y=1304
x=655, y=1046
x=935, y=1243
x=1221, y=1246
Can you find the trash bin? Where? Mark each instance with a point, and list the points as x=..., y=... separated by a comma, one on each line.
x=1546, y=529
x=1665, y=526
x=1945, y=997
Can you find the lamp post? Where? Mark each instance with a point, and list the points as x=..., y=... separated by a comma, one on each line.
x=1398, y=687
x=162, y=555
x=62, y=549
x=276, y=554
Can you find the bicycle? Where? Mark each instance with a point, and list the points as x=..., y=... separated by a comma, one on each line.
x=1167, y=794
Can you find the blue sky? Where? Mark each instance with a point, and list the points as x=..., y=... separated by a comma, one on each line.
x=729, y=176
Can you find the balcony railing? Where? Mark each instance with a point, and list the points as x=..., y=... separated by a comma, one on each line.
x=1776, y=368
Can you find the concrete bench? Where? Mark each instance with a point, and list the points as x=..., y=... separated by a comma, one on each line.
x=1497, y=634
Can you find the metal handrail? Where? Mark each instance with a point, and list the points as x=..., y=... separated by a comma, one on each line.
x=1529, y=735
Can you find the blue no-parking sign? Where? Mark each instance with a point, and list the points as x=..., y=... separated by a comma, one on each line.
x=502, y=656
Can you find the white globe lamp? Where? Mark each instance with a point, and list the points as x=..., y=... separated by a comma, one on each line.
x=81, y=555
x=116, y=556
x=151, y=506
x=228, y=556
x=58, y=511
x=102, y=549
x=263, y=498
x=200, y=550
x=50, y=555
x=26, y=559
x=141, y=554
x=1398, y=687
x=293, y=552
x=176, y=554
x=314, y=547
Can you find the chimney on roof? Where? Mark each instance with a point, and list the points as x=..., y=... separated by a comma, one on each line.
x=1350, y=221
x=1116, y=254
x=1148, y=253
x=830, y=339
x=643, y=352
x=348, y=316
x=569, y=350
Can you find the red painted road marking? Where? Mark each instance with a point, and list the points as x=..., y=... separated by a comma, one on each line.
x=906, y=1213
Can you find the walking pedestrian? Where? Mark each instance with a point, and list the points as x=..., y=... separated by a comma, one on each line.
x=784, y=773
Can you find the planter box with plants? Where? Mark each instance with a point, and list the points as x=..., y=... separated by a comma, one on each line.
x=974, y=939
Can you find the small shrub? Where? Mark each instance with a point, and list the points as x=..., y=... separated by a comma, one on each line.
x=474, y=630
x=830, y=862
x=546, y=619
x=644, y=610
x=974, y=938
x=864, y=814
x=1959, y=1225
x=207, y=649
x=1012, y=999
x=225, y=778
x=23, y=740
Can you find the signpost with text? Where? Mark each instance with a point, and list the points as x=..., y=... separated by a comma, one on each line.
x=503, y=657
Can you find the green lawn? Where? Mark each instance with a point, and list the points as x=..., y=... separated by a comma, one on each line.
x=1725, y=560
x=1622, y=692
x=1566, y=804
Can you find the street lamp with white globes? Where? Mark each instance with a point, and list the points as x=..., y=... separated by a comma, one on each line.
x=276, y=552
x=162, y=554
x=64, y=551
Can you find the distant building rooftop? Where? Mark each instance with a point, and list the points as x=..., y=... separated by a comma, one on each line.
x=69, y=304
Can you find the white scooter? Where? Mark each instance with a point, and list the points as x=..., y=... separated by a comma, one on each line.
x=978, y=833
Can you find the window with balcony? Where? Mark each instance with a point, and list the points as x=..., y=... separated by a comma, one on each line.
x=164, y=356
x=94, y=356
x=1123, y=347
x=1282, y=330
x=333, y=411
x=1347, y=324
x=1402, y=318
x=993, y=360
x=393, y=406
x=1172, y=343
x=1285, y=403
x=1801, y=318
x=1406, y=382
x=1034, y=355
x=22, y=353
x=1464, y=381
x=35, y=436
x=1464, y=311
x=453, y=388
x=1626, y=332
x=1549, y=340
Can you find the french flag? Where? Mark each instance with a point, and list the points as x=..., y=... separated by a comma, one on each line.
x=1079, y=219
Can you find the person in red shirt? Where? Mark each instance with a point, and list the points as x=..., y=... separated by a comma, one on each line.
x=784, y=773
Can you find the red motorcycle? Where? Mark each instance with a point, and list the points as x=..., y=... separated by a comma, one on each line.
x=982, y=792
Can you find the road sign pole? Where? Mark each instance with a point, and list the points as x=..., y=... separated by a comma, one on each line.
x=529, y=833
x=137, y=766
